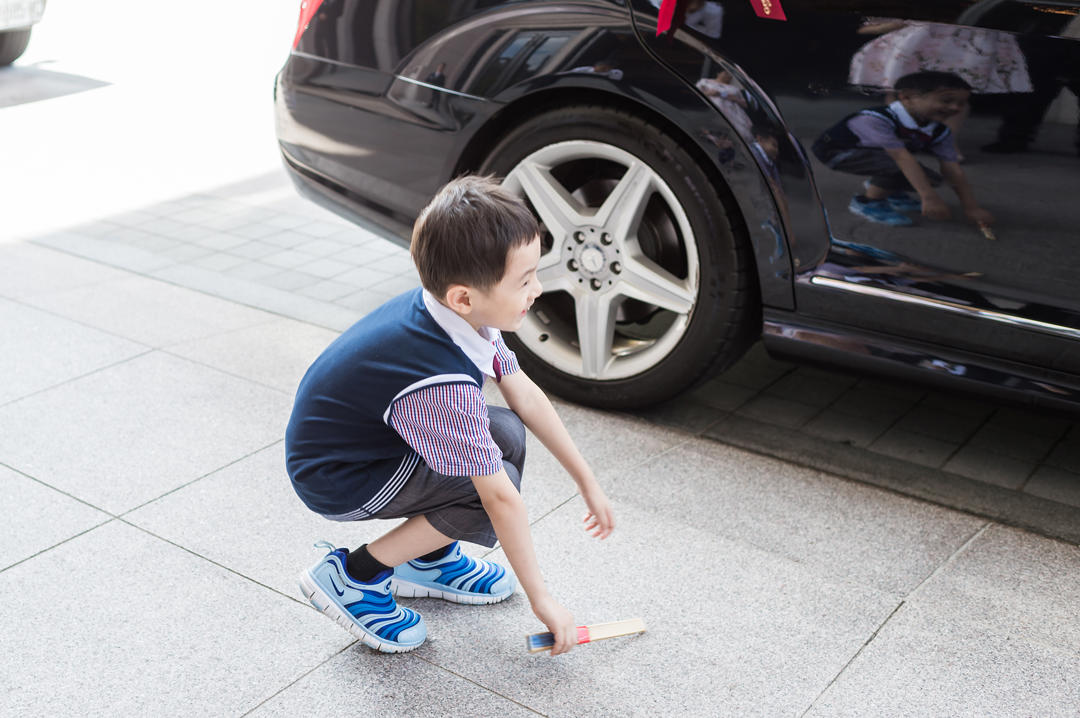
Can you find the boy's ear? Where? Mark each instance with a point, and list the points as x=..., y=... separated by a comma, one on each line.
x=458, y=298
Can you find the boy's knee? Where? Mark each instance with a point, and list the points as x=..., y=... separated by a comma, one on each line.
x=506, y=427
x=507, y=431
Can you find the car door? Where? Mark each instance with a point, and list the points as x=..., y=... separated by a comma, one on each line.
x=1008, y=289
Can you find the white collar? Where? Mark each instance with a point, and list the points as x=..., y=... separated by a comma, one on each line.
x=478, y=346
x=907, y=120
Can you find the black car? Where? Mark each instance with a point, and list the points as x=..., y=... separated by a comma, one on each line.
x=695, y=181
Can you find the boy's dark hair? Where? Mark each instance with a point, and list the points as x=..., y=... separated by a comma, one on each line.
x=465, y=233
x=758, y=130
x=930, y=80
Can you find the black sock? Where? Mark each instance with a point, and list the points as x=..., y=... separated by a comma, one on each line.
x=436, y=554
x=362, y=566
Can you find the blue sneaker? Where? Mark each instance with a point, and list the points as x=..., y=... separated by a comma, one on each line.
x=366, y=610
x=900, y=201
x=903, y=202
x=878, y=210
x=455, y=577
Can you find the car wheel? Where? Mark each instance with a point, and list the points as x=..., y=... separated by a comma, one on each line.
x=647, y=287
x=12, y=45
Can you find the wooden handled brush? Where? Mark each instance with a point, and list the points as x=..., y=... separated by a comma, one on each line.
x=537, y=642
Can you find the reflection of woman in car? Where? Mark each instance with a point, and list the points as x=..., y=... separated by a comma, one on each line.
x=988, y=60
x=882, y=142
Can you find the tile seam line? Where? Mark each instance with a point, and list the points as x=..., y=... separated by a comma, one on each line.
x=71, y=496
x=296, y=680
x=478, y=685
x=80, y=377
x=199, y=362
x=197, y=479
x=949, y=560
x=59, y=543
x=212, y=562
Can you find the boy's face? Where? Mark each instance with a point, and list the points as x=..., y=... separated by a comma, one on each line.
x=936, y=106
x=505, y=305
x=770, y=144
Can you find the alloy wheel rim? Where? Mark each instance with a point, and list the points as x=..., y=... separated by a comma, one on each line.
x=626, y=256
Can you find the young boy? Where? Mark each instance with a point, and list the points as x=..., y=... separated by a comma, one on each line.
x=882, y=142
x=390, y=422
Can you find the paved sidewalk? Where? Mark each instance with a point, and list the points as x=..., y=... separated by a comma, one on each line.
x=151, y=542
x=260, y=244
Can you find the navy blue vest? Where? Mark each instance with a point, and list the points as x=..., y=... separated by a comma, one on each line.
x=339, y=450
x=839, y=138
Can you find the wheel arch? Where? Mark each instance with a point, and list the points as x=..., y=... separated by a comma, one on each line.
x=738, y=182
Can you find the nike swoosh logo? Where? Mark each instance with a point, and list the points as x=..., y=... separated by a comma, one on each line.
x=340, y=592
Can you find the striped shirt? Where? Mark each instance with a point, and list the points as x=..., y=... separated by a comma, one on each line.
x=447, y=424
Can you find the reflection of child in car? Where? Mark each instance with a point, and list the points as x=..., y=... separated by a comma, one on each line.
x=882, y=142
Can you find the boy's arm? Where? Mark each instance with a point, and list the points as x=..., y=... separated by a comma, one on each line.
x=955, y=176
x=506, y=509
x=530, y=403
x=932, y=204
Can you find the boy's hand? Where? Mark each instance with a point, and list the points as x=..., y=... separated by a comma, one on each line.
x=600, y=521
x=979, y=216
x=935, y=208
x=559, y=621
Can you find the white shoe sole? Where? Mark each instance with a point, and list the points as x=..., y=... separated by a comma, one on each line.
x=328, y=607
x=407, y=589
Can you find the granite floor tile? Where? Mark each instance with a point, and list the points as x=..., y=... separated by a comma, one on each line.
x=1066, y=455
x=290, y=280
x=27, y=270
x=149, y=311
x=154, y=631
x=721, y=395
x=327, y=290
x=916, y=448
x=275, y=354
x=37, y=517
x=993, y=633
x=254, y=249
x=127, y=434
x=1055, y=484
x=1016, y=444
x=73, y=350
x=270, y=540
x=391, y=686
x=944, y=425
x=815, y=388
x=847, y=429
x=847, y=531
x=983, y=465
x=682, y=414
x=774, y=410
x=756, y=370
x=776, y=629
x=290, y=259
x=325, y=268
x=872, y=403
x=1033, y=422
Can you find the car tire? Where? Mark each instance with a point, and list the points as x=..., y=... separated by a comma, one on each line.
x=649, y=288
x=12, y=45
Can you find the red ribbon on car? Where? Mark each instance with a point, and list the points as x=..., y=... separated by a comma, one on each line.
x=768, y=9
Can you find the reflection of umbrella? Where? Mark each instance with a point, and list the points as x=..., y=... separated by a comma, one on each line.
x=988, y=60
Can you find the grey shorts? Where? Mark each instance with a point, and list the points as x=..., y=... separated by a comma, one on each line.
x=451, y=503
x=880, y=167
